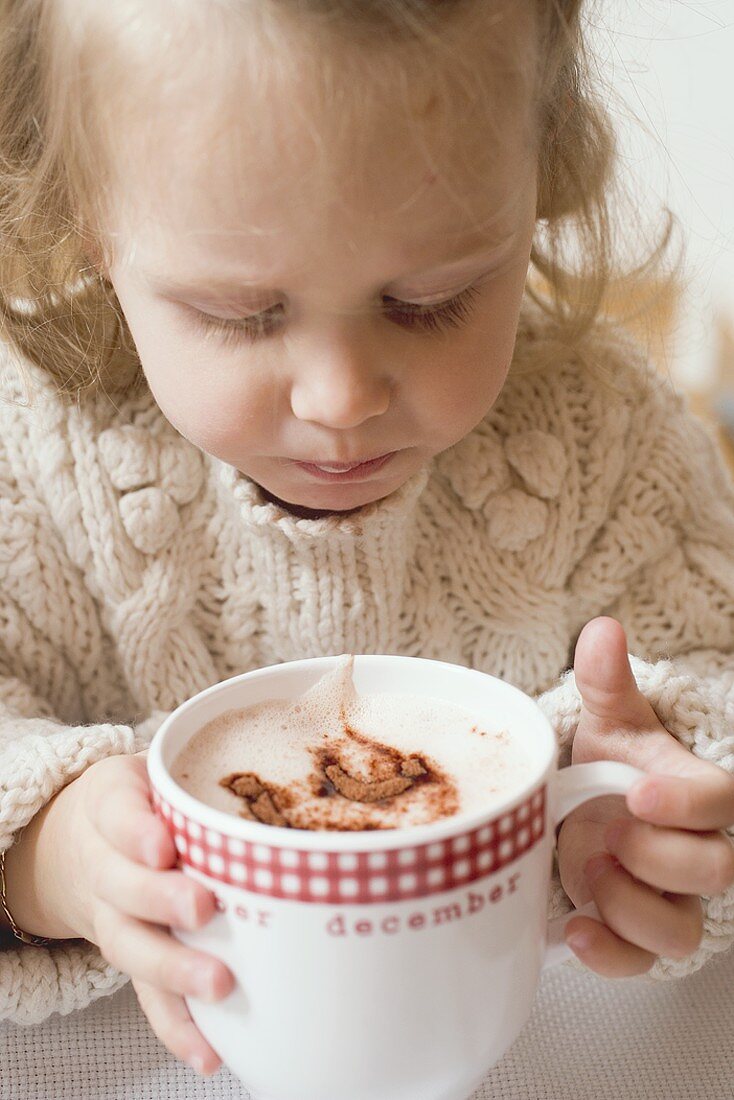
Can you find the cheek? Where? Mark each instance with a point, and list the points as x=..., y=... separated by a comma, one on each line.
x=218, y=413
x=210, y=395
x=192, y=395
x=459, y=396
x=462, y=384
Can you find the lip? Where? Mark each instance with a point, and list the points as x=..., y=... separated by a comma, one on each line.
x=354, y=471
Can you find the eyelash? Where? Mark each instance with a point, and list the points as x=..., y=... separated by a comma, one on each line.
x=448, y=315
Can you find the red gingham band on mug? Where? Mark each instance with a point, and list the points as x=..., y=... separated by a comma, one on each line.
x=357, y=877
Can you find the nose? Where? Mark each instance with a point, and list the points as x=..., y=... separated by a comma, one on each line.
x=339, y=385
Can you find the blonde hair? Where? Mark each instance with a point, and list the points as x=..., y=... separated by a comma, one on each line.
x=61, y=314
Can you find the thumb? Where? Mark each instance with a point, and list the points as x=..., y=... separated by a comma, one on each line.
x=618, y=723
x=609, y=693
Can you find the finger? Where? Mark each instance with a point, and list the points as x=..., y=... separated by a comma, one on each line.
x=151, y=954
x=605, y=679
x=598, y=948
x=171, y=1021
x=126, y=819
x=662, y=924
x=581, y=836
x=701, y=801
x=670, y=859
x=160, y=897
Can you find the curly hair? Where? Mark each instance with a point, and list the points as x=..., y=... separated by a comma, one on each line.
x=60, y=312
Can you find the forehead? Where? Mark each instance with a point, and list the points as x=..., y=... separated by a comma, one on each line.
x=278, y=151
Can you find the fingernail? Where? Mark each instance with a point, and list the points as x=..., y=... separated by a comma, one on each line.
x=150, y=851
x=646, y=798
x=186, y=910
x=197, y=1063
x=597, y=866
x=204, y=984
x=579, y=941
x=614, y=834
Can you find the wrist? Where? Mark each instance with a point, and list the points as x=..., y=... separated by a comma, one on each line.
x=8, y=925
x=33, y=876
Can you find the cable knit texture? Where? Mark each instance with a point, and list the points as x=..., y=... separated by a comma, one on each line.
x=135, y=571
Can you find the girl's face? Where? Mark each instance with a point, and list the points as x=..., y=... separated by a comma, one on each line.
x=333, y=312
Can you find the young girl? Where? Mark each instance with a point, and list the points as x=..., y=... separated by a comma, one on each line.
x=274, y=386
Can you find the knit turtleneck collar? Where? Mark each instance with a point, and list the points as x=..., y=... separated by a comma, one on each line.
x=330, y=585
x=256, y=511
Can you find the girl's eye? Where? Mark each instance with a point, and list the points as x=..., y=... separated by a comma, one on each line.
x=233, y=330
x=435, y=318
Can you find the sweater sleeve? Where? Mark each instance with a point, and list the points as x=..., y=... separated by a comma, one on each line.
x=53, y=652
x=38, y=756
x=662, y=564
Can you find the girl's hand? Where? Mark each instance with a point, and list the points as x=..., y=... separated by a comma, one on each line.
x=119, y=892
x=644, y=864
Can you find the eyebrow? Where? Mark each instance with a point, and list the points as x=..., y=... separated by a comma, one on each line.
x=216, y=288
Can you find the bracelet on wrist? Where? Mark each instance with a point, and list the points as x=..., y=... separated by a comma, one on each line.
x=24, y=937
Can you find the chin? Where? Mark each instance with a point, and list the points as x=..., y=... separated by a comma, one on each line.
x=332, y=498
x=302, y=493
x=337, y=498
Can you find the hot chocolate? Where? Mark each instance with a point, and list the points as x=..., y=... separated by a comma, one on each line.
x=335, y=760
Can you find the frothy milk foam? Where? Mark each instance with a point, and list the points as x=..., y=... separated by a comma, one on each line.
x=335, y=760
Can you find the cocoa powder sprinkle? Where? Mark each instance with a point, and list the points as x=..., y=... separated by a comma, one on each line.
x=413, y=767
x=245, y=784
x=259, y=804
x=360, y=791
x=266, y=811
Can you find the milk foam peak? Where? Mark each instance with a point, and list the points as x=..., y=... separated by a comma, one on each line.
x=332, y=759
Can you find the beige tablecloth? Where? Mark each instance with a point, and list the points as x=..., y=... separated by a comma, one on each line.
x=587, y=1039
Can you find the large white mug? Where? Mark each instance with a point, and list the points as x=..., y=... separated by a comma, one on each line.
x=395, y=964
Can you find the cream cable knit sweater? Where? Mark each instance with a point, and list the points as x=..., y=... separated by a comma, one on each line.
x=135, y=571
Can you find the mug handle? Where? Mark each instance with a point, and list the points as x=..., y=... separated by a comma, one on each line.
x=574, y=785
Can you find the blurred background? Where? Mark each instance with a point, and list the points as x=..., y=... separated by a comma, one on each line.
x=669, y=66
